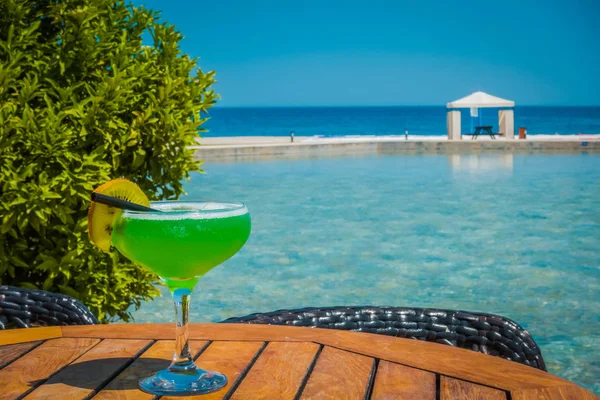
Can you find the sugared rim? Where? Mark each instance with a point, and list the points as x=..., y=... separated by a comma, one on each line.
x=176, y=209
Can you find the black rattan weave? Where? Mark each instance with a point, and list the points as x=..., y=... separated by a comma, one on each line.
x=486, y=333
x=23, y=308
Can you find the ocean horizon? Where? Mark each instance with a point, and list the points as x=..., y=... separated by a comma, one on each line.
x=333, y=121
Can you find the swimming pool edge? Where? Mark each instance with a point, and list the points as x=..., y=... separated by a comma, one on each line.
x=228, y=153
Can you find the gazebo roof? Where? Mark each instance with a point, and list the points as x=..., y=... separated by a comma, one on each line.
x=480, y=100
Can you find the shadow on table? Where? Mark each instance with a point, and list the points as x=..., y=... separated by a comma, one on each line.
x=114, y=373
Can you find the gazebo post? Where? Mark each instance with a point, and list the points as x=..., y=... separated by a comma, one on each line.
x=506, y=123
x=453, y=125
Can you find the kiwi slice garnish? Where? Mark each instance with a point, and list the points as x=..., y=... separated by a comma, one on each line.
x=102, y=217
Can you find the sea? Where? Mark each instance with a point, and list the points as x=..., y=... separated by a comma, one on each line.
x=391, y=120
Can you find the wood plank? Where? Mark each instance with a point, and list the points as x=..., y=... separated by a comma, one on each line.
x=157, y=357
x=445, y=360
x=338, y=375
x=229, y=358
x=39, y=364
x=123, y=331
x=91, y=371
x=570, y=392
x=12, y=336
x=451, y=389
x=278, y=372
x=395, y=381
x=11, y=352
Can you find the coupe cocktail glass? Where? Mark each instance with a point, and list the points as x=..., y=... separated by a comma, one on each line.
x=180, y=242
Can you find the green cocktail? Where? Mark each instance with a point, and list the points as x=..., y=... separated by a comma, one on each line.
x=180, y=242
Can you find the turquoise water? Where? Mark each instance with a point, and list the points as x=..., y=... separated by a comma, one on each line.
x=513, y=235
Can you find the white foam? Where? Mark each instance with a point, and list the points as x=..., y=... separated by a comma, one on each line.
x=176, y=210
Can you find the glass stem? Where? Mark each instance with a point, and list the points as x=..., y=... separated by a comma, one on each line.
x=182, y=359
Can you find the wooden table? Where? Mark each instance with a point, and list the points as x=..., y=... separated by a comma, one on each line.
x=263, y=362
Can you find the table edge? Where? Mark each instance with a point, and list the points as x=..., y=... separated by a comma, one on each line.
x=398, y=350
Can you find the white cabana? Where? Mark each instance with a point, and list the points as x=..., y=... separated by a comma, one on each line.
x=474, y=101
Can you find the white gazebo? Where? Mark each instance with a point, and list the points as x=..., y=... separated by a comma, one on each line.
x=475, y=101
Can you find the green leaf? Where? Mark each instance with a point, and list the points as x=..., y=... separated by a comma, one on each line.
x=48, y=283
x=68, y=291
x=27, y=285
x=18, y=262
x=48, y=264
x=51, y=195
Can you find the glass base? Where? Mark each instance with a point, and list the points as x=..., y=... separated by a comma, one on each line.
x=183, y=383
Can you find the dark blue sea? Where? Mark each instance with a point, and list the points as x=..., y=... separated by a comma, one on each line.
x=419, y=120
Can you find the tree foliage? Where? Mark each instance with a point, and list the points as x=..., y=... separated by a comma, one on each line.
x=83, y=101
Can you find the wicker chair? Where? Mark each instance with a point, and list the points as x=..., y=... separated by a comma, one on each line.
x=486, y=333
x=24, y=308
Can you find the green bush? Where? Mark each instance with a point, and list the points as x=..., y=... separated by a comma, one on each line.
x=83, y=101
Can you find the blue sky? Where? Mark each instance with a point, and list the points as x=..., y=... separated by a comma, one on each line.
x=329, y=52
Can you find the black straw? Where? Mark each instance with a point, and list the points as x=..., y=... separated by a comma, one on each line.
x=118, y=203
